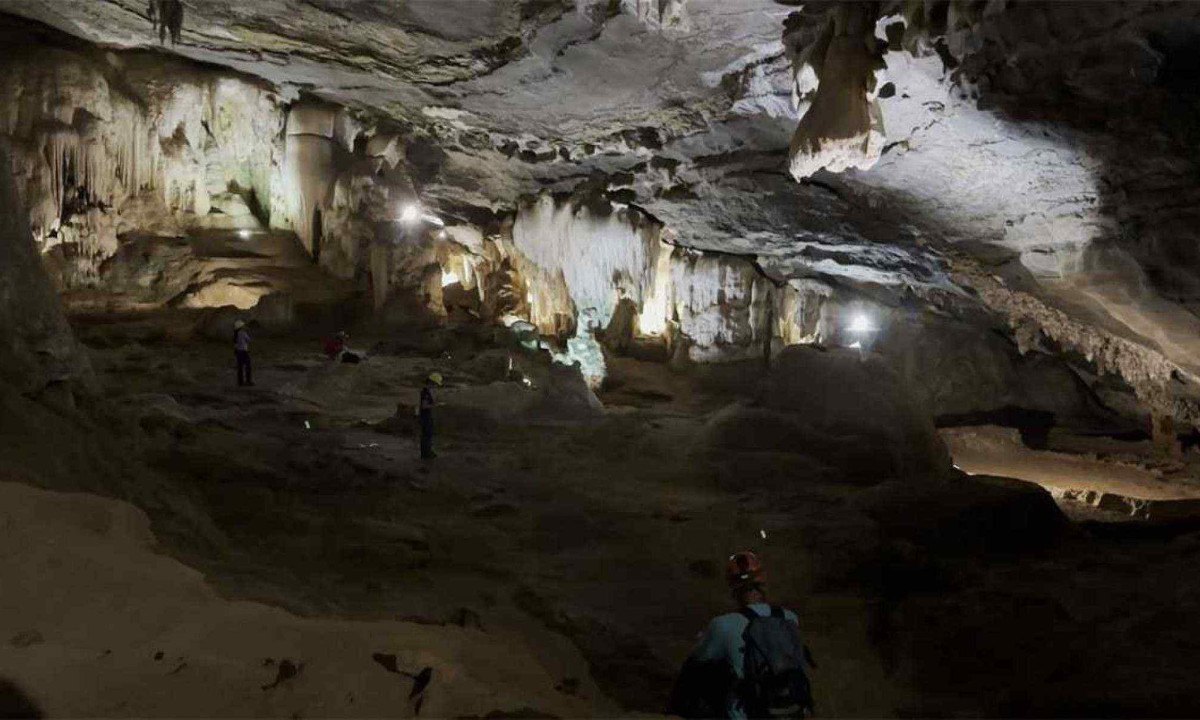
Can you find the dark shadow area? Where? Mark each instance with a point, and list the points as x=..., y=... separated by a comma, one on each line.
x=1034, y=425
x=14, y=703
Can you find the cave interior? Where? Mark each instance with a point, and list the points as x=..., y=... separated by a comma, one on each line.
x=901, y=295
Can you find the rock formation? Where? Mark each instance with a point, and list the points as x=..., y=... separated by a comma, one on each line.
x=38, y=351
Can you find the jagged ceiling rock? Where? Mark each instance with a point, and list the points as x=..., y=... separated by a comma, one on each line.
x=603, y=64
x=1054, y=141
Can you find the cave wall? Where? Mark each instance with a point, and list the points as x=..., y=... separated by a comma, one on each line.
x=1052, y=144
x=111, y=143
x=584, y=256
x=37, y=348
x=106, y=143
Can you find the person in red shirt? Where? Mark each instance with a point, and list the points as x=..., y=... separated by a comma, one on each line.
x=336, y=345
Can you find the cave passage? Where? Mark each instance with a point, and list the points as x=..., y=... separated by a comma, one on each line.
x=885, y=314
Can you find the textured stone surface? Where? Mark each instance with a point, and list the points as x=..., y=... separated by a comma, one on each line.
x=37, y=348
x=852, y=415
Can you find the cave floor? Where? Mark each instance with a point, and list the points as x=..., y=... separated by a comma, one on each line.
x=603, y=539
x=598, y=531
x=1091, y=477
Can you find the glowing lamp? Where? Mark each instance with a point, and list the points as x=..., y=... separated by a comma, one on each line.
x=861, y=324
x=410, y=214
x=244, y=234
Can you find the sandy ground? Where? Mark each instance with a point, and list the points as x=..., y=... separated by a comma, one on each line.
x=87, y=596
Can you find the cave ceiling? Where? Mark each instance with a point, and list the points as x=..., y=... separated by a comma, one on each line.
x=1046, y=147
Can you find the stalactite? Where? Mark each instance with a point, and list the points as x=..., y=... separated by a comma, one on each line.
x=83, y=141
x=58, y=146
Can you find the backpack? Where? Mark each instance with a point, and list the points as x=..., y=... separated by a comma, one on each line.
x=774, y=684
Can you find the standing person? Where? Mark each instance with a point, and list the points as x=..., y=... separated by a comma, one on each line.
x=425, y=415
x=241, y=351
x=748, y=663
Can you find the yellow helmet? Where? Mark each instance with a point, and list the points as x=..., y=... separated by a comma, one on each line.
x=435, y=378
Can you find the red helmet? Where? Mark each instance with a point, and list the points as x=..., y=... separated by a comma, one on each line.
x=744, y=569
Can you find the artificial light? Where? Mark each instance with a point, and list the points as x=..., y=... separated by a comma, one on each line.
x=861, y=324
x=410, y=214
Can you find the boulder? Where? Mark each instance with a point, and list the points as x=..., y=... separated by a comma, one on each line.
x=565, y=395
x=155, y=411
x=967, y=514
x=961, y=371
x=846, y=411
x=843, y=394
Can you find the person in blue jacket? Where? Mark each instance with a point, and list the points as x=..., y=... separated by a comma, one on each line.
x=747, y=663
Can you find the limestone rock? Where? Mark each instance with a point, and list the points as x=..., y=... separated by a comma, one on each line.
x=840, y=393
x=853, y=416
x=37, y=347
x=969, y=513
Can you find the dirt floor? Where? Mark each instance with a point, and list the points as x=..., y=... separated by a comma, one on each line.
x=594, y=540
x=597, y=528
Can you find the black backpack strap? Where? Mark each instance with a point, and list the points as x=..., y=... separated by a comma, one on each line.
x=749, y=614
x=777, y=612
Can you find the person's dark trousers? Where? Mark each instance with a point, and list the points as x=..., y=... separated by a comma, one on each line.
x=243, y=367
x=427, y=435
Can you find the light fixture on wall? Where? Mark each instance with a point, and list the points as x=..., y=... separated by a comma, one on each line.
x=410, y=214
x=861, y=324
x=861, y=332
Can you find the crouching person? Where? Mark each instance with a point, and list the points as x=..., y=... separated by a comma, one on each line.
x=749, y=663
